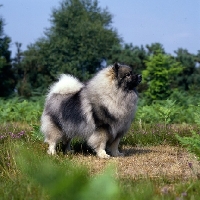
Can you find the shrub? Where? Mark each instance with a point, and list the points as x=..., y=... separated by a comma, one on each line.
x=20, y=110
x=192, y=143
x=163, y=111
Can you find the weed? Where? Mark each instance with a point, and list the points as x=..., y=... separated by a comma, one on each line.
x=27, y=172
x=156, y=134
x=20, y=110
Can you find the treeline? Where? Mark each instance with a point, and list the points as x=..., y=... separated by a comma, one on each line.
x=80, y=41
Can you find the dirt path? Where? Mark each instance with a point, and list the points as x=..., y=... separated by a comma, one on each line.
x=160, y=161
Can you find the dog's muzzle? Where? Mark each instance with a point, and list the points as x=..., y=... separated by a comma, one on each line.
x=139, y=77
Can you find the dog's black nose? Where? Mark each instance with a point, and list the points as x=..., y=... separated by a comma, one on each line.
x=139, y=78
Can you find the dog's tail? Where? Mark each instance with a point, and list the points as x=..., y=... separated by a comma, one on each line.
x=66, y=84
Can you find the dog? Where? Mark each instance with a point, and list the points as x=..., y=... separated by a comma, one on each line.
x=100, y=111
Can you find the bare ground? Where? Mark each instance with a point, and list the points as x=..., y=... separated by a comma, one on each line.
x=146, y=162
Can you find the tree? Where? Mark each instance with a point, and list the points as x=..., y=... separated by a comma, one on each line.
x=22, y=87
x=161, y=70
x=79, y=37
x=155, y=48
x=190, y=76
x=7, y=78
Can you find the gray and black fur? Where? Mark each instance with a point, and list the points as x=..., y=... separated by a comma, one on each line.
x=100, y=111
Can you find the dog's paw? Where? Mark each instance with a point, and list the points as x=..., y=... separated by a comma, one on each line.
x=69, y=152
x=117, y=154
x=51, y=151
x=120, y=154
x=103, y=154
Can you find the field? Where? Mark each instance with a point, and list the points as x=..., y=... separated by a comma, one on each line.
x=161, y=159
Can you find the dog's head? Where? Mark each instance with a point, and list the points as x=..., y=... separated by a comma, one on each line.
x=125, y=77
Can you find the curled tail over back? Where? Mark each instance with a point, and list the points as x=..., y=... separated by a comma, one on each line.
x=66, y=84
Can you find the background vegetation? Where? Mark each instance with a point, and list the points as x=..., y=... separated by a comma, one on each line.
x=80, y=41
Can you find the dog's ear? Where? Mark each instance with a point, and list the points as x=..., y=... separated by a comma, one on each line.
x=116, y=67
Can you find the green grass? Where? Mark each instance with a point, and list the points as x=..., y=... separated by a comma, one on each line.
x=157, y=134
x=27, y=172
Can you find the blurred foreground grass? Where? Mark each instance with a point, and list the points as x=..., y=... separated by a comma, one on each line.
x=27, y=172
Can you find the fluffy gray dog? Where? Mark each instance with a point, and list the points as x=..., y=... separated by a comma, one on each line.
x=100, y=111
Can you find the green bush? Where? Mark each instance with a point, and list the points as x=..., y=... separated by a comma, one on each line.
x=178, y=108
x=192, y=143
x=20, y=110
x=163, y=111
x=161, y=69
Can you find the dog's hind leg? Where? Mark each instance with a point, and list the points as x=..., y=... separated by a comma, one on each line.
x=52, y=147
x=98, y=142
x=113, y=148
x=52, y=134
x=66, y=145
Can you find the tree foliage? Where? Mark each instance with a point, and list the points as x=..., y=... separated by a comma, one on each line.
x=190, y=76
x=79, y=37
x=7, y=82
x=21, y=73
x=155, y=48
x=160, y=72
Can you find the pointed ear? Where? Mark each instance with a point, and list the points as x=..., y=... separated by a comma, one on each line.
x=116, y=67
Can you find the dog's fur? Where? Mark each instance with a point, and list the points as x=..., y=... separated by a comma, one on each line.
x=101, y=111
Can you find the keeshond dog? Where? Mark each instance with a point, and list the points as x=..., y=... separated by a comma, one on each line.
x=100, y=111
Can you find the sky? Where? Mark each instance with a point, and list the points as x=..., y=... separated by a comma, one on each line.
x=173, y=23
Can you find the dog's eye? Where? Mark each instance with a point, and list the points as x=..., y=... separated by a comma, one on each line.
x=128, y=74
